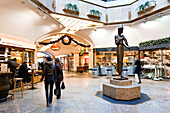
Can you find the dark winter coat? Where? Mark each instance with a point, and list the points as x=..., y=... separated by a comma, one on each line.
x=12, y=65
x=49, y=71
x=138, y=66
x=23, y=72
x=59, y=73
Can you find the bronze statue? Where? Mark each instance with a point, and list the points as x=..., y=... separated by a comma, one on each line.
x=119, y=38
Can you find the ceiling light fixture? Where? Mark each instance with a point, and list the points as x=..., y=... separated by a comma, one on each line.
x=144, y=21
x=95, y=28
x=160, y=15
x=44, y=16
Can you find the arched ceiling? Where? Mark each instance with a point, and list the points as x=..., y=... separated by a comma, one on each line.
x=64, y=49
x=51, y=35
x=21, y=18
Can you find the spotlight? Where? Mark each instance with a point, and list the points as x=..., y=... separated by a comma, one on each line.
x=144, y=21
x=160, y=15
x=40, y=12
x=44, y=16
x=60, y=26
x=94, y=28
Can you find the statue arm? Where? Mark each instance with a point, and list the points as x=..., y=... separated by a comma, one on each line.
x=117, y=41
x=126, y=43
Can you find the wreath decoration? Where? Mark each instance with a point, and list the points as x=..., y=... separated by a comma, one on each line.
x=65, y=43
x=69, y=42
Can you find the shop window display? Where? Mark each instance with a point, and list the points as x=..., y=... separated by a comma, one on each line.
x=156, y=63
x=108, y=59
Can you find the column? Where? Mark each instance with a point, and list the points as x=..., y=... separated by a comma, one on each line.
x=76, y=61
x=35, y=58
x=90, y=58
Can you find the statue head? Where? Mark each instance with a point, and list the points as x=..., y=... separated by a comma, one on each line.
x=120, y=29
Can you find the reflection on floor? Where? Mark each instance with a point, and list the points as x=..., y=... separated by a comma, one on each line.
x=80, y=97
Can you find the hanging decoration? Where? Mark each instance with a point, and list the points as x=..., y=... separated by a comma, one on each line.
x=65, y=43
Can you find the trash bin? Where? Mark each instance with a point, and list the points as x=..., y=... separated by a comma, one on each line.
x=90, y=73
x=109, y=72
x=125, y=71
x=96, y=72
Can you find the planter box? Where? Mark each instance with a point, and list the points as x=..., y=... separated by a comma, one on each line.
x=70, y=11
x=146, y=10
x=93, y=16
x=160, y=46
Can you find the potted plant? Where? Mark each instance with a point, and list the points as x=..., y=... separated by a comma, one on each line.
x=146, y=7
x=69, y=8
x=94, y=14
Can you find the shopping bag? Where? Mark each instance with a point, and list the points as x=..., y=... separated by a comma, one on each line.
x=62, y=86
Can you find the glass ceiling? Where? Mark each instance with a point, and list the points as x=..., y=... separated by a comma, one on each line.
x=74, y=24
x=108, y=0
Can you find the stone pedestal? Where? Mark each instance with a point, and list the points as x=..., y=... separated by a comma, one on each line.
x=121, y=82
x=122, y=90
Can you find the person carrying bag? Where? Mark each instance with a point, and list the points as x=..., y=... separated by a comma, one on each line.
x=58, y=78
x=48, y=73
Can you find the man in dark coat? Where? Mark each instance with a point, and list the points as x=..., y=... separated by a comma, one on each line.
x=138, y=69
x=58, y=77
x=48, y=73
x=23, y=72
x=12, y=64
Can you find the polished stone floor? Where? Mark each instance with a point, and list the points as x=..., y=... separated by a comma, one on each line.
x=79, y=97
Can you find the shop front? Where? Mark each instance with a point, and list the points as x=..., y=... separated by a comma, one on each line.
x=156, y=61
x=106, y=58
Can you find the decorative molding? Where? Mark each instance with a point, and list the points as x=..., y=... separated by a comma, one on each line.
x=109, y=6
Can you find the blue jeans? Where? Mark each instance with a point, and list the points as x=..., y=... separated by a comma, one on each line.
x=47, y=83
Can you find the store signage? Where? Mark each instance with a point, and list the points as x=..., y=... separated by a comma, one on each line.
x=55, y=47
x=15, y=43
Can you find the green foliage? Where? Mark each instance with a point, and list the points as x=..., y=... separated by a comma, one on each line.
x=71, y=7
x=82, y=51
x=95, y=12
x=147, y=4
x=155, y=42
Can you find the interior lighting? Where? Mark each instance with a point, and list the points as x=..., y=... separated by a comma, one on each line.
x=95, y=28
x=44, y=16
x=160, y=15
x=40, y=12
x=144, y=21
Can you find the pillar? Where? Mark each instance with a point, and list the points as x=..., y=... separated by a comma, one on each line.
x=90, y=58
x=76, y=61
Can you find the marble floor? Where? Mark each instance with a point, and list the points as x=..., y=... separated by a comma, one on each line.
x=79, y=97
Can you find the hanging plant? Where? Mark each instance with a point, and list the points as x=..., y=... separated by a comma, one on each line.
x=69, y=8
x=94, y=14
x=146, y=7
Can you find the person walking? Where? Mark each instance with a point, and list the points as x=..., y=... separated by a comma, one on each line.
x=58, y=77
x=138, y=69
x=48, y=73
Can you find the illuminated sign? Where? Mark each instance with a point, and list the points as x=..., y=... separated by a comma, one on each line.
x=55, y=47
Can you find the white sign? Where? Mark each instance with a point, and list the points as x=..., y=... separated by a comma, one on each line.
x=4, y=67
x=33, y=66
